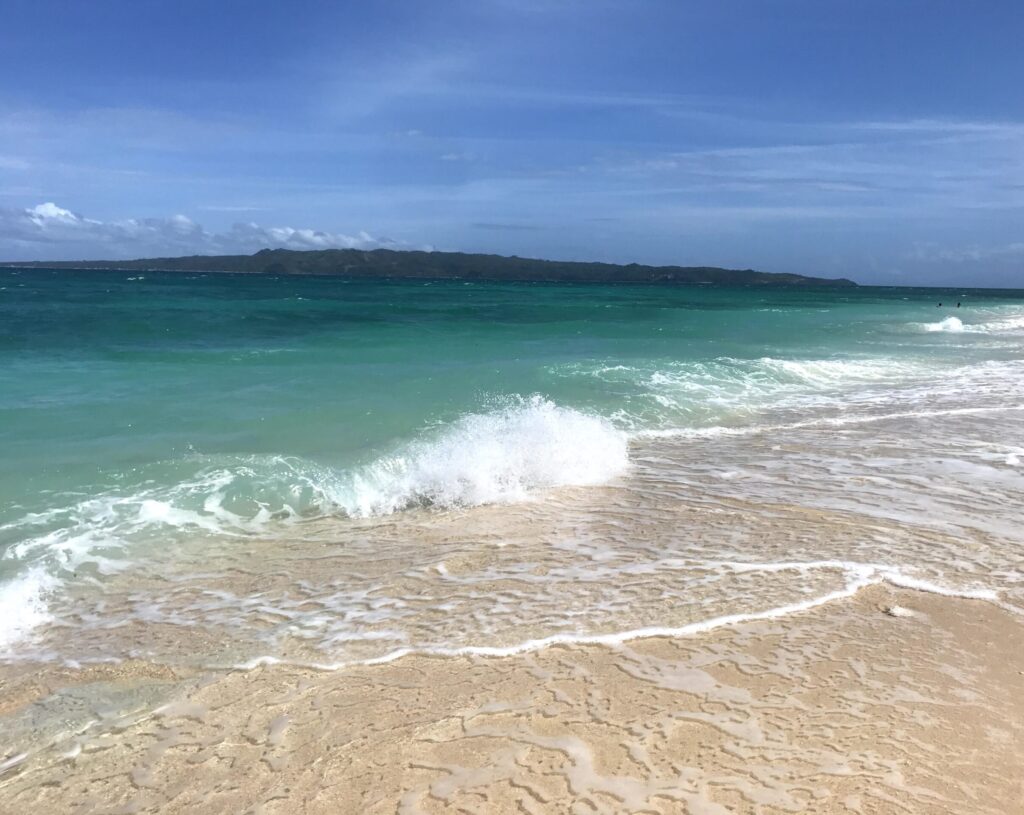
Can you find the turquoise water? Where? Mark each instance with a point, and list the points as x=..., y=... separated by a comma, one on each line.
x=134, y=408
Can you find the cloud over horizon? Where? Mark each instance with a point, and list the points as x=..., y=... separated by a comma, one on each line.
x=28, y=233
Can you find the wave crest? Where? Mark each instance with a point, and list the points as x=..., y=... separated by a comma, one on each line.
x=492, y=458
x=1003, y=323
x=23, y=605
x=951, y=324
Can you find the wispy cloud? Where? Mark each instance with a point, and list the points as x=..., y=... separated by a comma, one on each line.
x=14, y=163
x=944, y=127
x=498, y=227
x=231, y=208
x=384, y=81
x=916, y=166
x=932, y=253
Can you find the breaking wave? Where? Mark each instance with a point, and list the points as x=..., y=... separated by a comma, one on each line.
x=492, y=458
x=23, y=605
x=1002, y=323
x=496, y=457
x=951, y=324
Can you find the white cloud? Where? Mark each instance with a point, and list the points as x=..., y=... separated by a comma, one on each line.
x=42, y=213
x=258, y=237
x=50, y=228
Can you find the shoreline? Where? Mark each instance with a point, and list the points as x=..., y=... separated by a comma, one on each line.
x=564, y=725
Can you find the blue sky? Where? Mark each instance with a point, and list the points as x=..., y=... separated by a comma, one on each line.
x=882, y=141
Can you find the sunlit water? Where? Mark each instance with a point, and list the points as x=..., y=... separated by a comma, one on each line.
x=225, y=469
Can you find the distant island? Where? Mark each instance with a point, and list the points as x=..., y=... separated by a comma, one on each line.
x=390, y=263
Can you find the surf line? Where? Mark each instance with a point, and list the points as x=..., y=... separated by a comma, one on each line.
x=829, y=421
x=865, y=575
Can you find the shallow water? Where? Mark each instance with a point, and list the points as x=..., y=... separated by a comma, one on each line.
x=217, y=470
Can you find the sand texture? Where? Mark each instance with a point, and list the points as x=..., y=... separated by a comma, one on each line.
x=893, y=701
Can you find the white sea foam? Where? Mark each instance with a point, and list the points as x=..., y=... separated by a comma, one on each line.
x=1001, y=323
x=690, y=395
x=23, y=605
x=859, y=576
x=762, y=373
x=950, y=324
x=1011, y=458
x=1009, y=324
x=492, y=458
x=826, y=373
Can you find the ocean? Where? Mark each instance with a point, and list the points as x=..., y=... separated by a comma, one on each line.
x=227, y=470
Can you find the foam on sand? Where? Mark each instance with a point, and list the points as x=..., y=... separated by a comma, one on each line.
x=858, y=577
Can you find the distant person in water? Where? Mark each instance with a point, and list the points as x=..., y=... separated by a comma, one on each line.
x=939, y=305
x=958, y=305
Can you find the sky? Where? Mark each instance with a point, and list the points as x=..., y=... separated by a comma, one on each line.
x=877, y=140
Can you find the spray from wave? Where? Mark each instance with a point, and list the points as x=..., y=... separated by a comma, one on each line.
x=491, y=458
x=999, y=322
x=951, y=324
x=23, y=605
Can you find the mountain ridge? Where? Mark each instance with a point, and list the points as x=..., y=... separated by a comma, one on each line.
x=418, y=264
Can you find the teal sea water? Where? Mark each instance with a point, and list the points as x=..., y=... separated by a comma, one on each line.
x=143, y=412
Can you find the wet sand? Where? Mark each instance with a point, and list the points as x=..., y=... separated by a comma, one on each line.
x=892, y=701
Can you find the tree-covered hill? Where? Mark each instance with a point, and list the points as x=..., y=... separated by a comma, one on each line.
x=389, y=263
